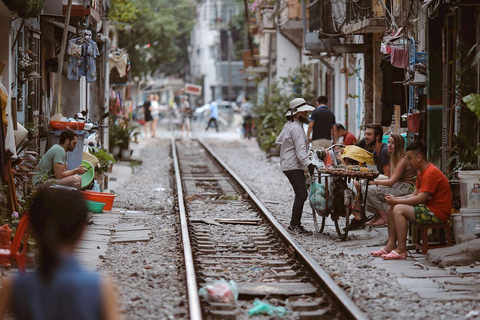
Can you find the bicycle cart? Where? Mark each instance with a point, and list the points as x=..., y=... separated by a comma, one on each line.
x=338, y=180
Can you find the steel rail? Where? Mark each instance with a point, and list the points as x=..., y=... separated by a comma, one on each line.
x=318, y=273
x=193, y=298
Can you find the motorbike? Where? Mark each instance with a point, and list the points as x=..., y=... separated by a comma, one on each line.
x=92, y=134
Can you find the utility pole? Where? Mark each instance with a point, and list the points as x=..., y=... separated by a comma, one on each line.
x=229, y=55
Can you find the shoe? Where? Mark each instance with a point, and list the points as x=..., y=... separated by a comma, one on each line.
x=394, y=256
x=356, y=224
x=380, y=252
x=298, y=230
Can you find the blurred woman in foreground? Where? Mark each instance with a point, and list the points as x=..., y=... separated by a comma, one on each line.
x=61, y=288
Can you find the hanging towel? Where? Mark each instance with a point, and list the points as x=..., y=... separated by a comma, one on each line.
x=399, y=57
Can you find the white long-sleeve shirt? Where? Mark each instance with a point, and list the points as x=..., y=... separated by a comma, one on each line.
x=294, y=147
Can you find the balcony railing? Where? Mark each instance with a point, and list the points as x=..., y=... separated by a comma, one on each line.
x=359, y=10
x=321, y=17
x=329, y=17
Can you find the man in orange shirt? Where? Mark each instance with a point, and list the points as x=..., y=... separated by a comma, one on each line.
x=430, y=203
x=348, y=137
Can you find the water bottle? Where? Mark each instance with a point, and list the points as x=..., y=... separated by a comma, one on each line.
x=96, y=187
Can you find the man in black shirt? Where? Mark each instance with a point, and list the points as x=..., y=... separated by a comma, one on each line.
x=322, y=123
x=373, y=137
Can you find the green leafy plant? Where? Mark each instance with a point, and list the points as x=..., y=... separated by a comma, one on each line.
x=473, y=103
x=272, y=106
x=121, y=134
x=25, y=8
x=105, y=159
x=463, y=154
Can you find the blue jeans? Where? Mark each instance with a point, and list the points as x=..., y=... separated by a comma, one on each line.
x=297, y=180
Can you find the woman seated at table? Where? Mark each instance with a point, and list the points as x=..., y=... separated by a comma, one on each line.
x=400, y=183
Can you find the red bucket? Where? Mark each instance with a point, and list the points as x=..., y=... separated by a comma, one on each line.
x=414, y=122
x=104, y=197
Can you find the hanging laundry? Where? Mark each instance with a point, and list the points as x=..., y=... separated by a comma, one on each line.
x=393, y=90
x=399, y=57
x=118, y=59
x=82, y=53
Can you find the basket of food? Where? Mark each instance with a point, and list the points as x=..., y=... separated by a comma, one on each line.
x=352, y=171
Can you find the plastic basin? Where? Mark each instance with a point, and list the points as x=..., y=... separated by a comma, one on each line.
x=94, y=206
x=62, y=125
x=104, y=197
x=87, y=177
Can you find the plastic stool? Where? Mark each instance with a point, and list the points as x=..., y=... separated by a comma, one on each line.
x=439, y=230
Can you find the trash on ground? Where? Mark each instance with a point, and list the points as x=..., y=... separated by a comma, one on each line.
x=264, y=308
x=220, y=291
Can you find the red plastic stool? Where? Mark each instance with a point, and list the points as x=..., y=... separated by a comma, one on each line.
x=437, y=229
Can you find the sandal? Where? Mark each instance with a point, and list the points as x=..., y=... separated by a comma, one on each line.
x=394, y=256
x=372, y=221
x=381, y=222
x=380, y=252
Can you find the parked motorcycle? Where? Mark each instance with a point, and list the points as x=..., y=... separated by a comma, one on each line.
x=92, y=134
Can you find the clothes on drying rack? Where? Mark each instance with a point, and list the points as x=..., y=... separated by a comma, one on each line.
x=399, y=57
x=393, y=90
x=82, y=53
x=119, y=60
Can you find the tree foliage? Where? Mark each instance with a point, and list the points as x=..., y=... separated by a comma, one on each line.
x=272, y=106
x=123, y=10
x=157, y=34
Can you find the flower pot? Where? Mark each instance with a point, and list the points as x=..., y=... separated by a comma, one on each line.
x=126, y=153
x=116, y=151
x=470, y=189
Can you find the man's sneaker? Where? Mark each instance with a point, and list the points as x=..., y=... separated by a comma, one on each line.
x=356, y=224
x=298, y=230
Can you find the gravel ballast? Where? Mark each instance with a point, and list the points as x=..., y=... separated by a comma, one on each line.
x=373, y=289
x=150, y=275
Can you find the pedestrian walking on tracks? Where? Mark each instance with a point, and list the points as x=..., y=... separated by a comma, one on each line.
x=213, y=115
x=61, y=288
x=187, y=114
x=147, y=111
x=294, y=158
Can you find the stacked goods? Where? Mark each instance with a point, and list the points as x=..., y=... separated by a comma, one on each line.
x=354, y=171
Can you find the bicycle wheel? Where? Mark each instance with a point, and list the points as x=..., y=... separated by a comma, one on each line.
x=319, y=226
x=342, y=217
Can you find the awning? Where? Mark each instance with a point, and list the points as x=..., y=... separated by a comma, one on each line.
x=58, y=21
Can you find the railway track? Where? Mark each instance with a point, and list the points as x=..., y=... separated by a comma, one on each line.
x=229, y=234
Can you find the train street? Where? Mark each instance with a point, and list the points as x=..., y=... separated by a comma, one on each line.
x=150, y=274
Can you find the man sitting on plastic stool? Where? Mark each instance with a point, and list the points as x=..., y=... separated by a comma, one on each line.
x=53, y=165
x=430, y=203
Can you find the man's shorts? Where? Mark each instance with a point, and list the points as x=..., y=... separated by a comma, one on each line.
x=423, y=215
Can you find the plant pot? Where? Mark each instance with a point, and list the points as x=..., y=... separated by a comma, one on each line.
x=126, y=153
x=116, y=151
x=110, y=168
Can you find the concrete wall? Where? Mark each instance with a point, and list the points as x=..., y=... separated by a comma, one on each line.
x=288, y=56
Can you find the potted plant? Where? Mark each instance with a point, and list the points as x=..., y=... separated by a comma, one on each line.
x=105, y=160
x=120, y=136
